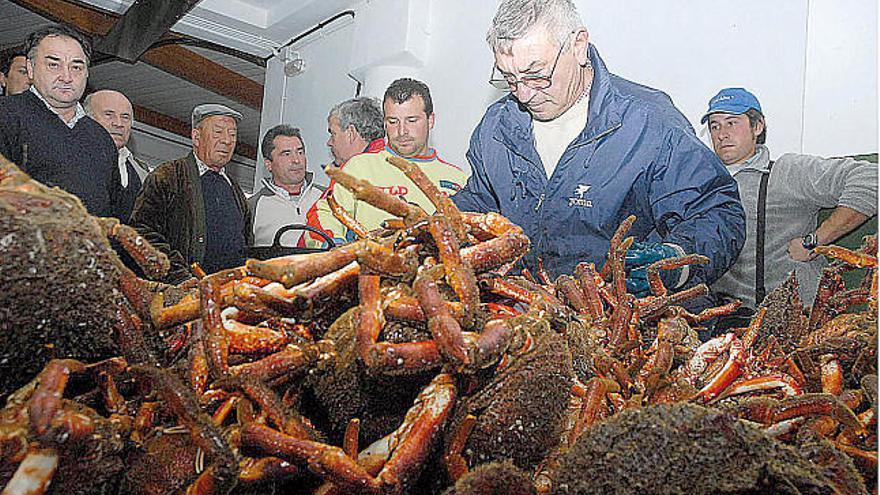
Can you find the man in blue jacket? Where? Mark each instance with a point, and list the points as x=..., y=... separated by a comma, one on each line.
x=573, y=150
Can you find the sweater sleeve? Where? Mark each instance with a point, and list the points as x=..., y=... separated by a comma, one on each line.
x=828, y=183
x=9, y=134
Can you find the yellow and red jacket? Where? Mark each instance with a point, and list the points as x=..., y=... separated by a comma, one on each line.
x=373, y=167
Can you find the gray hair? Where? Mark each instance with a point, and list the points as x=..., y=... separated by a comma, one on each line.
x=516, y=18
x=364, y=113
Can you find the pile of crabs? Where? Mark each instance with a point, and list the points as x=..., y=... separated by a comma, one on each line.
x=413, y=361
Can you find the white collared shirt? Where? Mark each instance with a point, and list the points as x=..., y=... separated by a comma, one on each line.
x=80, y=112
x=124, y=155
x=204, y=168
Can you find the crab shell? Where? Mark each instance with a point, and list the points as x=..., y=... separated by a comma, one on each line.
x=520, y=411
x=58, y=278
x=349, y=391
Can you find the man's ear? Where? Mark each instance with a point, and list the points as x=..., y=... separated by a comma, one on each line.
x=268, y=163
x=351, y=132
x=582, y=46
x=431, y=121
x=759, y=127
x=30, y=68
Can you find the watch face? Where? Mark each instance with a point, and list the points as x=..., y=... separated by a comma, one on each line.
x=809, y=241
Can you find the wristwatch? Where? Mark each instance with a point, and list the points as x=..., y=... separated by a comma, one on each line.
x=810, y=241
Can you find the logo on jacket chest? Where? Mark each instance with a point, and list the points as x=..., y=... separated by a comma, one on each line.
x=396, y=190
x=579, y=197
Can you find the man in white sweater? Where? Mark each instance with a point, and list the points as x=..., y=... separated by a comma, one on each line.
x=287, y=196
x=796, y=188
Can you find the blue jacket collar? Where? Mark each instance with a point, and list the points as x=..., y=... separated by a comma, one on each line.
x=515, y=123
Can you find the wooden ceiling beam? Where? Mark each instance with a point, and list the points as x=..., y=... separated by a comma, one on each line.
x=180, y=128
x=172, y=59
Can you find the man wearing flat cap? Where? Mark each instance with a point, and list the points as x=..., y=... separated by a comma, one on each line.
x=781, y=199
x=190, y=208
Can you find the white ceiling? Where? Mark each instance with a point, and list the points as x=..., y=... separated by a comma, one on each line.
x=253, y=26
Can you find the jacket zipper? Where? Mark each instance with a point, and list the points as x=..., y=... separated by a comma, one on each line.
x=540, y=202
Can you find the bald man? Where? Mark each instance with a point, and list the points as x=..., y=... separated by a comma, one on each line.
x=113, y=111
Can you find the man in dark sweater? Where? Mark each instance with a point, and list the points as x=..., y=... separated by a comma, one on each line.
x=46, y=131
x=190, y=208
x=113, y=111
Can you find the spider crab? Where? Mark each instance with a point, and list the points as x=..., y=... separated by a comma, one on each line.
x=63, y=290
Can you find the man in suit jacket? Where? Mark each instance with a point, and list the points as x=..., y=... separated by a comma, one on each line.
x=113, y=111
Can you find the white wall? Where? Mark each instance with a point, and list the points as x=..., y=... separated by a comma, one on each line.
x=812, y=63
x=304, y=100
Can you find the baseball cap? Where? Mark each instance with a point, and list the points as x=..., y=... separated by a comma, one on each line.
x=202, y=112
x=732, y=100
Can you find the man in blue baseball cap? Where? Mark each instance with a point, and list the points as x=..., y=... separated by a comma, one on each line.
x=781, y=231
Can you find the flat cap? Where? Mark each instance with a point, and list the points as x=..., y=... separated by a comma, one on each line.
x=202, y=112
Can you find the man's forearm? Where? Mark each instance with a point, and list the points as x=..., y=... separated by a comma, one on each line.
x=841, y=222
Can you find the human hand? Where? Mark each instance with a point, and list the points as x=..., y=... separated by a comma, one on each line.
x=797, y=252
x=639, y=256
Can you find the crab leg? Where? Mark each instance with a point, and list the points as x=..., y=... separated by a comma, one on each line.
x=45, y=403
x=572, y=293
x=854, y=258
x=456, y=465
x=496, y=252
x=731, y=370
x=785, y=383
x=829, y=283
x=443, y=327
x=364, y=191
x=298, y=268
x=33, y=475
x=249, y=339
x=383, y=355
x=408, y=446
x=620, y=320
x=216, y=338
x=411, y=443
x=458, y=274
x=509, y=290
x=266, y=468
x=407, y=308
x=618, y=274
x=385, y=261
x=832, y=374
x=153, y=262
x=441, y=202
x=616, y=241
x=591, y=407
x=751, y=334
x=485, y=226
x=815, y=404
x=653, y=271
x=222, y=476
x=289, y=360
x=346, y=219
x=586, y=275
x=653, y=306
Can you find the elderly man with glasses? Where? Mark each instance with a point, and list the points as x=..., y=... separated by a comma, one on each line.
x=573, y=150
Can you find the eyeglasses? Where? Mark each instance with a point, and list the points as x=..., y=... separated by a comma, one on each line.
x=538, y=82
